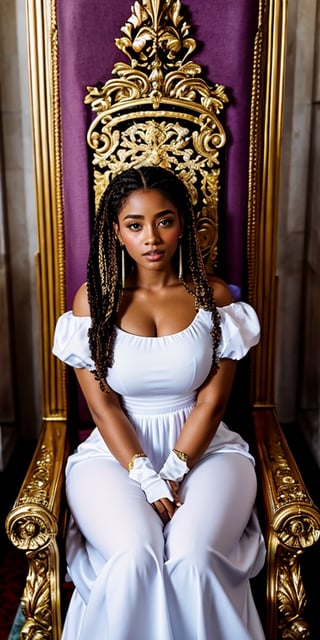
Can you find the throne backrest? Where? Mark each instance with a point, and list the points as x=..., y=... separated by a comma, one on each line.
x=232, y=46
x=159, y=110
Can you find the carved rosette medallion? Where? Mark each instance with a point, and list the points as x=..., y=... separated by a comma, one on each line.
x=31, y=531
x=299, y=531
x=31, y=525
x=158, y=110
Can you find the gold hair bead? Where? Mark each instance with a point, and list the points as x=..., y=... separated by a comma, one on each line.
x=132, y=461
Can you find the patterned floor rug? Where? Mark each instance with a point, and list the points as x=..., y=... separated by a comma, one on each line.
x=17, y=625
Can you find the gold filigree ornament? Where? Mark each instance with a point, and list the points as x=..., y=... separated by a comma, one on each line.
x=158, y=110
x=35, y=601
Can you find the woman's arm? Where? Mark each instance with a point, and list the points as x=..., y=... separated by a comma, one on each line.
x=121, y=439
x=212, y=398
x=204, y=419
x=104, y=406
x=107, y=414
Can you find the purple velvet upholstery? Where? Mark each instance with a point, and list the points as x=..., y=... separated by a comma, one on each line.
x=87, y=54
x=225, y=30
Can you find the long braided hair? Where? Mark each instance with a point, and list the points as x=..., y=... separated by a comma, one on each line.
x=103, y=273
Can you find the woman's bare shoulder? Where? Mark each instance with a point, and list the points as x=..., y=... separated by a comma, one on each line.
x=80, y=305
x=221, y=292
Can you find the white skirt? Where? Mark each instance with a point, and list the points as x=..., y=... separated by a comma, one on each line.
x=138, y=580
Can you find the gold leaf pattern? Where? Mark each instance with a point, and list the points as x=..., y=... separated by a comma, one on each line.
x=291, y=599
x=36, y=599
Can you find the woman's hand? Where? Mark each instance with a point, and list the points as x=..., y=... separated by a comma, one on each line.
x=166, y=508
x=174, y=486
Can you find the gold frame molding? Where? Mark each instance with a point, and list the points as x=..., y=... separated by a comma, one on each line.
x=45, y=110
x=263, y=205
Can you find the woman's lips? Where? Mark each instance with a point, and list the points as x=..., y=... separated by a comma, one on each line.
x=153, y=256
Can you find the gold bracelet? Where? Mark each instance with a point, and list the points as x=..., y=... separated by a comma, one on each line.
x=136, y=455
x=181, y=455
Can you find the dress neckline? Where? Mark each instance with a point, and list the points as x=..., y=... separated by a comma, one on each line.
x=166, y=337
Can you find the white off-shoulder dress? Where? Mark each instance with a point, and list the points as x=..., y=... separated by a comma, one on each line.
x=134, y=578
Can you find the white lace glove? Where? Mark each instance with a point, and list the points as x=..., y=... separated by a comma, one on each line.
x=150, y=482
x=174, y=468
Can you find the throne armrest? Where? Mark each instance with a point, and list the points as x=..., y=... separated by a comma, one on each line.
x=292, y=522
x=34, y=525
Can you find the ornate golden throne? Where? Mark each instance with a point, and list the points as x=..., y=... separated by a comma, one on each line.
x=159, y=108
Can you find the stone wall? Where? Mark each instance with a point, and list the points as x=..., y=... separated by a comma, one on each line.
x=309, y=405
x=298, y=363
x=20, y=220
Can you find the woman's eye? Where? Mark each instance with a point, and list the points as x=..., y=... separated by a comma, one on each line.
x=166, y=222
x=135, y=226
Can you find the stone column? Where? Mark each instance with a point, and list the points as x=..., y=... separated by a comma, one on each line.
x=296, y=178
x=7, y=412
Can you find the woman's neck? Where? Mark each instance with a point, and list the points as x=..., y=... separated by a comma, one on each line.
x=155, y=281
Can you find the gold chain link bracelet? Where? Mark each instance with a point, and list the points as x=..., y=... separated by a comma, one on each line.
x=181, y=455
x=132, y=461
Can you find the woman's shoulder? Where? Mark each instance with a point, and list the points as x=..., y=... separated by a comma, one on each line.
x=80, y=305
x=221, y=292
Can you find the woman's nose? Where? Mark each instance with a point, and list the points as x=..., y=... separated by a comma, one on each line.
x=152, y=235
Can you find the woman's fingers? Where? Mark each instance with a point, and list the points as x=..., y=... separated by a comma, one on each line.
x=165, y=509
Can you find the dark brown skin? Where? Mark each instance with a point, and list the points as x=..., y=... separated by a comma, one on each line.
x=156, y=303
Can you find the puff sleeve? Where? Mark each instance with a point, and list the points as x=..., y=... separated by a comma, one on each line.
x=240, y=330
x=70, y=343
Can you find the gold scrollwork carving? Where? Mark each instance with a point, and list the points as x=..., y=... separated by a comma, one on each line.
x=148, y=142
x=37, y=488
x=153, y=20
x=291, y=599
x=36, y=599
x=288, y=486
x=159, y=110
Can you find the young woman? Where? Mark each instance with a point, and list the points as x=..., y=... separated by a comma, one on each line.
x=164, y=536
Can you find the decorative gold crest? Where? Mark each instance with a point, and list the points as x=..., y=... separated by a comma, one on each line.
x=158, y=110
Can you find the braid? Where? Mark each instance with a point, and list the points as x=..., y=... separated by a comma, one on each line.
x=103, y=272
x=202, y=292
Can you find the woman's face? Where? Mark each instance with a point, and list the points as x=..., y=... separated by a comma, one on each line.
x=149, y=226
